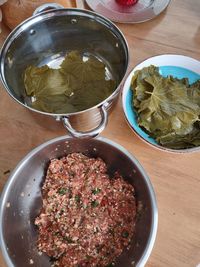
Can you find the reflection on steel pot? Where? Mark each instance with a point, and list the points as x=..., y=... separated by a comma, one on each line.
x=21, y=200
x=46, y=38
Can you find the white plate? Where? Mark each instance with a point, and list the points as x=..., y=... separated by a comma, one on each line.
x=142, y=11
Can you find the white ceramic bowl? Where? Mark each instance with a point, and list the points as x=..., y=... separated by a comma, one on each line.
x=176, y=65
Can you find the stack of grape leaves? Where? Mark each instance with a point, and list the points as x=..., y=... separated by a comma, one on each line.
x=167, y=108
x=77, y=85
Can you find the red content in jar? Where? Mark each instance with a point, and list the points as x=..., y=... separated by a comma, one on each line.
x=87, y=218
x=127, y=2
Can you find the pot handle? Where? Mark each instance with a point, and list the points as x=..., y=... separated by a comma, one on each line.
x=89, y=134
x=46, y=7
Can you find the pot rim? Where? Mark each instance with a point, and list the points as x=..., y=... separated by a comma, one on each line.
x=46, y=14
x=154, y=217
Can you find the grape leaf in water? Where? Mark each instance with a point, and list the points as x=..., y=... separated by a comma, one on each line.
x=43, y=81
x=77, y=85
x=94, y=93
x=85, y=71
x=54, y=104
x=167, y=108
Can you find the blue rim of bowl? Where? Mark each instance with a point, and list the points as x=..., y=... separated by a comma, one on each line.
x=133, y=128
x=154, y=218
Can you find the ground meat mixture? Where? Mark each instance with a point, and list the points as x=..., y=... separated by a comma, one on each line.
x=87, y=218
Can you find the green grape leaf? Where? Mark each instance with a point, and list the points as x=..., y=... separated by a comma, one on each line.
x=77, y=85
x=167, y=107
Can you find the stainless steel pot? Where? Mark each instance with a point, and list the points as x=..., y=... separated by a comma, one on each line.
x=45, y=38
x=21, y=200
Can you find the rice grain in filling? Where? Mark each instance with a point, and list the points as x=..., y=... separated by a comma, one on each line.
x=87, y=218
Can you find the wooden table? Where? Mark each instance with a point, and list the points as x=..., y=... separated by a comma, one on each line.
x=176, y=178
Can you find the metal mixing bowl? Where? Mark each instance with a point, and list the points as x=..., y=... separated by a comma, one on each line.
x=21, y=200
x=46, y=38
